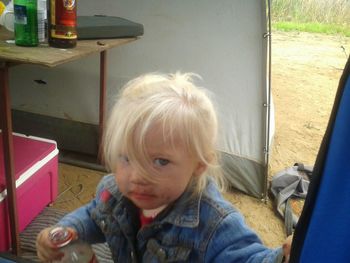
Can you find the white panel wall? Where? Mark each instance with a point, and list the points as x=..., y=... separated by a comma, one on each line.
x=220, y=40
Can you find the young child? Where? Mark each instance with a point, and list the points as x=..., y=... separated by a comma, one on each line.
x=162, y=201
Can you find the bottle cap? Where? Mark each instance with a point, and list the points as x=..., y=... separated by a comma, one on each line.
x=61, y=236
x=2, y=7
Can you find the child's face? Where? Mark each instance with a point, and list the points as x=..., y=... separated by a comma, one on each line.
x=174, y=166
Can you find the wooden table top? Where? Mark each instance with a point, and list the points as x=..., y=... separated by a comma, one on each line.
x=49, y=56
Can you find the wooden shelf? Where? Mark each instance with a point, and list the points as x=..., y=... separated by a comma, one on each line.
x=43, y=55
x=49, y=56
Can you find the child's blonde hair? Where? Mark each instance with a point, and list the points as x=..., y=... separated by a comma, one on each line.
x=179, y=107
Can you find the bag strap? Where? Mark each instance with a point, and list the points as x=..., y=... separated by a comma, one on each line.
x=306, y=169
x=288, y=218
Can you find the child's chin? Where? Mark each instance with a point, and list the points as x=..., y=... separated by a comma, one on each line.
x=144, y=203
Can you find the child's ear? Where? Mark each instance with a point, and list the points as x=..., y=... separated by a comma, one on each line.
x=200, y=168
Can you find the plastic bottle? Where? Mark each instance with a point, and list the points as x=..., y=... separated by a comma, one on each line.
x=26, y=22
x=62, y=23
x=42, y=21
x=74, y=250
x=7, y=17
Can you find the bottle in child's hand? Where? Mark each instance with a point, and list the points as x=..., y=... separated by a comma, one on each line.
x=74, y=250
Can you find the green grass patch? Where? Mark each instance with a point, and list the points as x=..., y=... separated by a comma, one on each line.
x=312, y=28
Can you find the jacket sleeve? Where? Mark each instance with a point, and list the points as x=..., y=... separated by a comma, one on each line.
x=81, y=220
x=233, y=241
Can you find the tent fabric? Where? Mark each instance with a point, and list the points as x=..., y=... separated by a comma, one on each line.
x=244, y=174
x=322, y=233
x=246, y=111
x=226, y=42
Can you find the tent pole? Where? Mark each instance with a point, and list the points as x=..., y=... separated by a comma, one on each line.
x=268, y=104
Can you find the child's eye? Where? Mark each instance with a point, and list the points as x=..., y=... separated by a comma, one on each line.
x=123, y=159
x=161, y=162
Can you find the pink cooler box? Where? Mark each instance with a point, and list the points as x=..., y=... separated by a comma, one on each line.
x=36, y=173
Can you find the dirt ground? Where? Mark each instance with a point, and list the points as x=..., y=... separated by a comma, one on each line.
x=305, y=72
x=306, y=69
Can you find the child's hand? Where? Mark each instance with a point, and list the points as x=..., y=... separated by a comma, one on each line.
x=287, y=245
x=47, y=251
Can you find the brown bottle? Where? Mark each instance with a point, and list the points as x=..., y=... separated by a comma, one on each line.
x=62, y=19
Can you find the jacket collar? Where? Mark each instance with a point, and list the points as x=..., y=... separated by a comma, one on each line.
x=184, y=212
x=112, y=187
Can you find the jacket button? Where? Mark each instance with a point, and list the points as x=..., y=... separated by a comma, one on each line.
x=103, y=225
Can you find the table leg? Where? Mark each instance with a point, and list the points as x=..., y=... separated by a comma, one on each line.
x=6, y=125
x=103, y=81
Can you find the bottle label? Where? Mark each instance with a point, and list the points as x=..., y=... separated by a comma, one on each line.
x=63, y=20
x=41, y=25
x=63, y=32
x=20, y=12
x=69, y=4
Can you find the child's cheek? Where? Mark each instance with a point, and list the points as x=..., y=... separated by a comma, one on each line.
x=121, y=182
x=172, y=193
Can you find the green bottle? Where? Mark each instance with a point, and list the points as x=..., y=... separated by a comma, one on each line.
x=26, y=22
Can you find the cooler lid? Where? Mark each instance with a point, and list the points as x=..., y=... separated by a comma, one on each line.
x=28, y=150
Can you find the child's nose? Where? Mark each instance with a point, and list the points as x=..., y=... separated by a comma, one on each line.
x=137, y=177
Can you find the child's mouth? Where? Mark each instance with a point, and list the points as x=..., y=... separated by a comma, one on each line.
x=141, y=196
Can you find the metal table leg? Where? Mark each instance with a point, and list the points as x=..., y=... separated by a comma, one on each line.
x=103, y=81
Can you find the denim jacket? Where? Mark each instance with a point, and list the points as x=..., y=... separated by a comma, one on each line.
x=202, y=229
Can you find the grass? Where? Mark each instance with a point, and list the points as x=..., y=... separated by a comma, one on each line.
x=317, y=16
x=312, y=27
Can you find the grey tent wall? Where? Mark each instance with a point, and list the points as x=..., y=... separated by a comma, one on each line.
x=247, y=174
x=223, y=41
